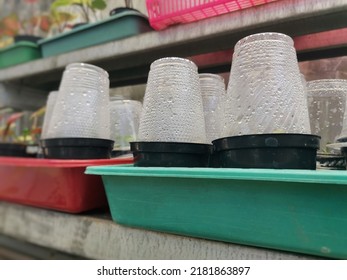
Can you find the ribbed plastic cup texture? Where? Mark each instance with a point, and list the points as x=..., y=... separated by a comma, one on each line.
x=82, y=105
x=172, y=106
x=327, y=104
x=265, y=92
x=125, y=121
x=51, y=99
x=304, y=83
x=212, y=91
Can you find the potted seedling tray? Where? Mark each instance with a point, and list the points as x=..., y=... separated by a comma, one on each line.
x=53, y=184
x=120, y=25
x=302, y=211
x=19, y=52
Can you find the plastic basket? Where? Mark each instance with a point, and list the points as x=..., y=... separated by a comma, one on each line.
x=163, y=13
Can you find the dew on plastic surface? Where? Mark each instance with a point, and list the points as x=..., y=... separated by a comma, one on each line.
x=76, y=85
x=266, y=72
x=175, y=114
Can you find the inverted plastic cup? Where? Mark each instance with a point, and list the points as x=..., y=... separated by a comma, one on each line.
x=125, y=120
x=82, y=105
x=265, y=93
x=51, y=99
x=327, y=104
x=172, y=107
x=212, y=92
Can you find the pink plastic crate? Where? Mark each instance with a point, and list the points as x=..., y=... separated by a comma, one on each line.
x=163, y=13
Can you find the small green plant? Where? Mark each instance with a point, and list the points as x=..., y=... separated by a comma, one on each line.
x=38, y=25
x=86, y=8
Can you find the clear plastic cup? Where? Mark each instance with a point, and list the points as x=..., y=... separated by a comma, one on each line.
x=326, y=105
x=82, y=105
x=304, y=83
x=265, y=93
x=51, y=99
x=125, y=120
x=172, y=107
x=212, y=92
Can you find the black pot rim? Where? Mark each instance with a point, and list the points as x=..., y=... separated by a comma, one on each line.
x=269, y=140
x=13, y=145
x=341, y=140
x=170, y=147
x=17, y=150
x=26, y=38
x=76, y=142
x=327, y=156
x=119, y=10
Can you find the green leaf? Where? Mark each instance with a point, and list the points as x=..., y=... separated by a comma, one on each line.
x=60, y=3
x=81, y=2
x=63, y=17
x=99, y=4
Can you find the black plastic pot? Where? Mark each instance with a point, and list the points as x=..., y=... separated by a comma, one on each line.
x=170, y=154
x=331, y=161
x=17, y=150
x=344, y=153
x=76, y=148
x=118, y=153
x=119, y=10
x=27, y=38
x=276, y=151
x=343, y=150
x=341, y=140
x=76, y=25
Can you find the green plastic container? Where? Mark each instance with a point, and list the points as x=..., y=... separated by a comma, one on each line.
x=118, y=26
x=302, y=211
x=19, y=53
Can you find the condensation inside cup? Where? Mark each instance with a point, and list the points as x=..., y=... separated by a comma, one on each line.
x=327, y=104
x=265, y=92
x=172, y=108
x=125, y=120
x=82, y=106
x=212, y=92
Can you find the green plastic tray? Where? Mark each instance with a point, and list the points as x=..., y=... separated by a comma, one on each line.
x=302, y=211
x=19, y=53
x=118, y=26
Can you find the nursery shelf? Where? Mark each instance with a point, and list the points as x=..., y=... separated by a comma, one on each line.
x=207, y=42
x=319, y=28
x=96, y=236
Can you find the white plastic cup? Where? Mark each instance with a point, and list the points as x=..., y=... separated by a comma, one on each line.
x=82, y=105
x=212, y=92
x=125, y=120
x=265, y=93
x=327, y=106
x=172, y=107
x=51, y=100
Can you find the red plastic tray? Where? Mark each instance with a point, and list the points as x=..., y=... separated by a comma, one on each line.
x=53, y=184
